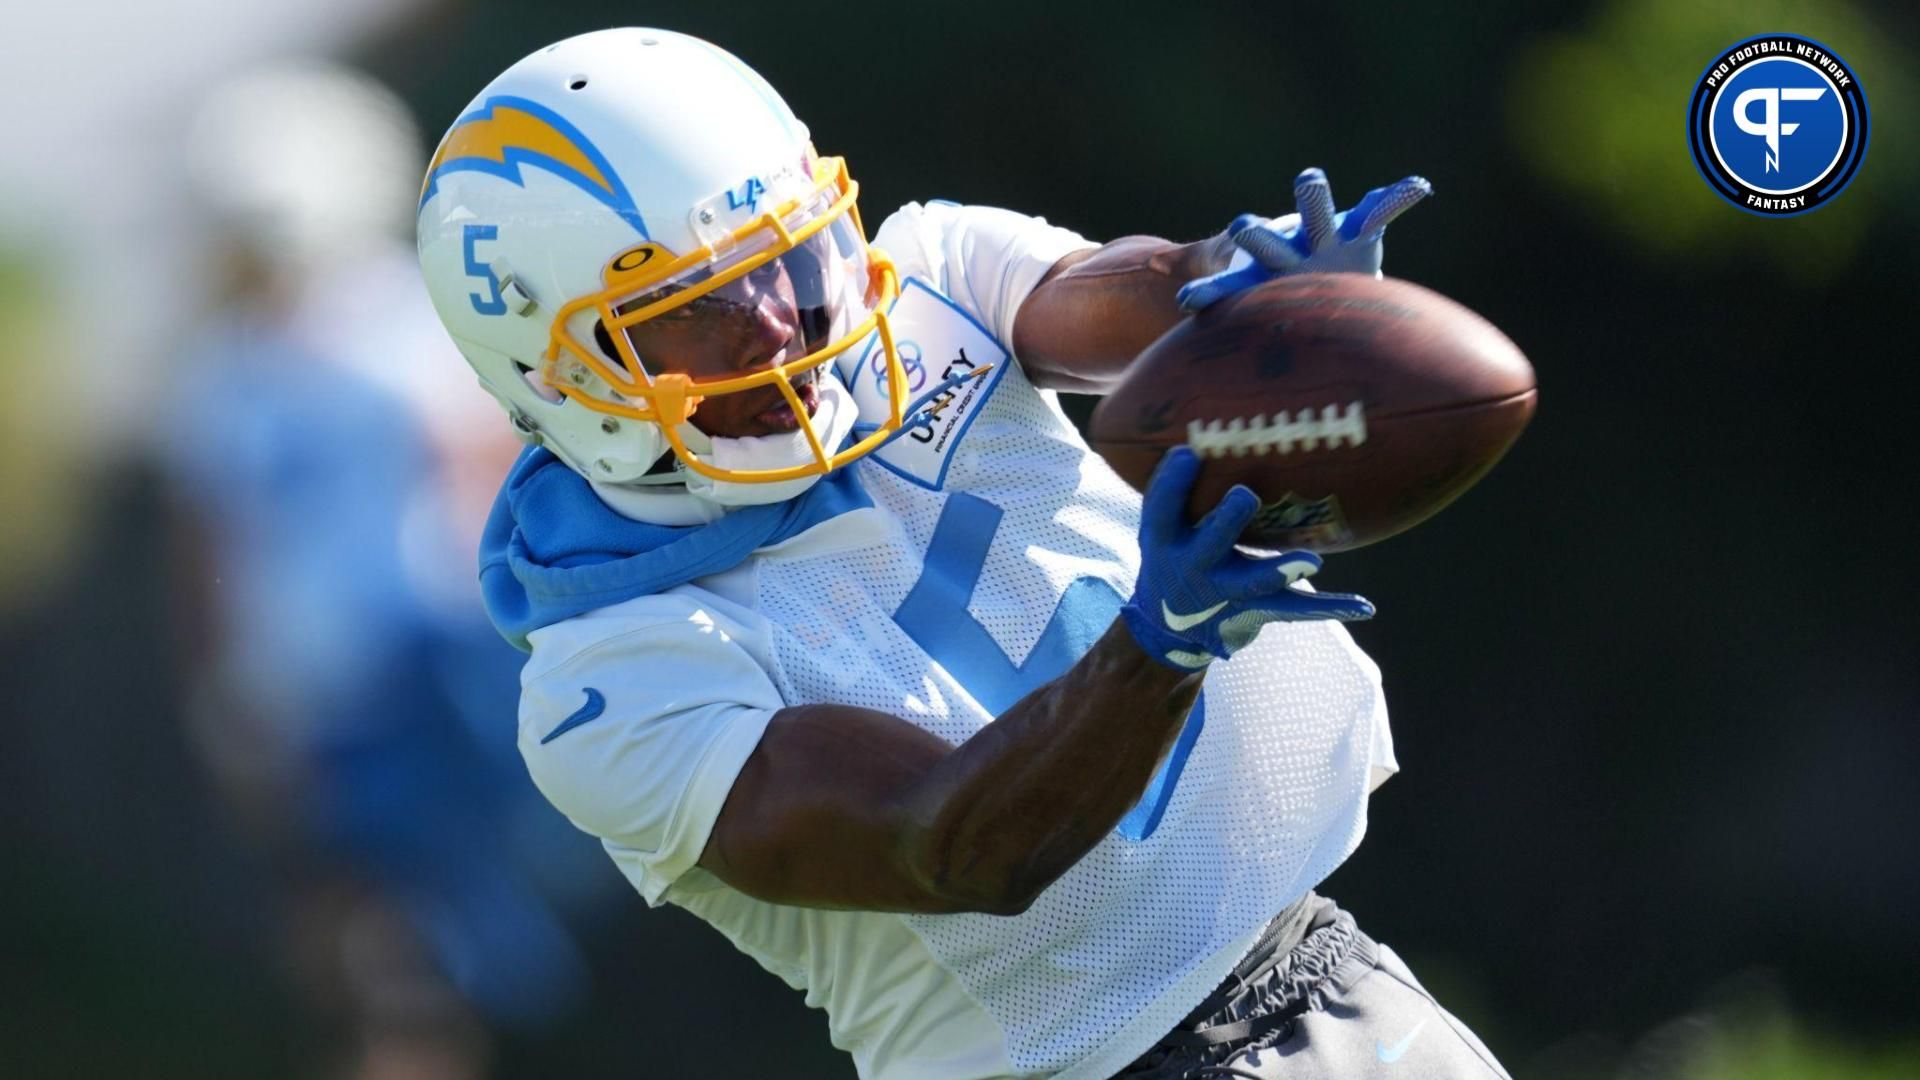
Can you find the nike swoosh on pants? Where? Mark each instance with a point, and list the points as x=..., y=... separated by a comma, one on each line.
x=1391, y=1054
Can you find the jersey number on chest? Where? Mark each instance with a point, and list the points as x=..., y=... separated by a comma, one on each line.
x=935, y=616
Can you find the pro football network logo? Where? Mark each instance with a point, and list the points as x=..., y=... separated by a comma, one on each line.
x=1778, y=125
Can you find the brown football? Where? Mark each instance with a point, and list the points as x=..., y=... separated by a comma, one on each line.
x=1355, y=407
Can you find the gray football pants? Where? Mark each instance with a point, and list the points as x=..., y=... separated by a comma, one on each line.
x=1336, y=1005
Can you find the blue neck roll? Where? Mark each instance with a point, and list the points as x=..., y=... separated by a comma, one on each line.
x=552, y=550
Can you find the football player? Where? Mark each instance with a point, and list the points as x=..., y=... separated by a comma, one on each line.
x=843, y=640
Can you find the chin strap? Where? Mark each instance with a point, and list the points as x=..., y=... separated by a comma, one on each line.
x=664, y=473
x=833, y=421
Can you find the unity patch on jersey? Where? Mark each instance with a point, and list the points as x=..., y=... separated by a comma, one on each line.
x=938, y=342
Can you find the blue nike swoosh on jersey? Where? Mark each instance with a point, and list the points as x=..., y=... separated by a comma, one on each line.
x=596, y=704
x=1391, y=1054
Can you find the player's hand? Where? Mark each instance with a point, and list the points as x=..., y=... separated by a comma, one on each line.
x=1199, y=598
x=1315, y=240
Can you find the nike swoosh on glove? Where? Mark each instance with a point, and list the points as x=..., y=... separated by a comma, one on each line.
x=1314, y=240
x=1198, y=597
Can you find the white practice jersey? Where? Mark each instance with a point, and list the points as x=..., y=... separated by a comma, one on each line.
x=943, y=603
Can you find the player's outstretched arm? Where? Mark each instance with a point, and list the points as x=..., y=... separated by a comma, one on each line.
x=1097, y=309
x=852, y=808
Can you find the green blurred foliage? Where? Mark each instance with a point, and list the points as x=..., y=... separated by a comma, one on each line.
x=1747, y=1032
x=1601, y=114
x=1783, y=1050
x=35, y=472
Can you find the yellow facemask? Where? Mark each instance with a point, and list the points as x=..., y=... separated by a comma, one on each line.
x=816, y=233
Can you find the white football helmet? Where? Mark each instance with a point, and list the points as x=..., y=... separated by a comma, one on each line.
x=617, y=189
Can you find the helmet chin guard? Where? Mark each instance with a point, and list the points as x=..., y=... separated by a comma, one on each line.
x=831, y=423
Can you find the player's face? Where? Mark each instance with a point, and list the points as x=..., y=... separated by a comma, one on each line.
x=750, y=324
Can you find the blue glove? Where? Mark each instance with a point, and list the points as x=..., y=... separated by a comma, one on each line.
x=1197, y=597
x=1315, y=240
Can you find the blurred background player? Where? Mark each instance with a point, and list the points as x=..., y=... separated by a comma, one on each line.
x=349, y=698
